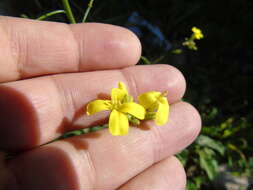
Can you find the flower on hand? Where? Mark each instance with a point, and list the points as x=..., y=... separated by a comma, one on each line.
x=156, y=105
x=152, y=105
x=120, y=106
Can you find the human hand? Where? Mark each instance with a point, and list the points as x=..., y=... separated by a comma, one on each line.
x=68, y=66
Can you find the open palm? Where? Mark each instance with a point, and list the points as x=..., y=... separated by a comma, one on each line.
x=49, y=72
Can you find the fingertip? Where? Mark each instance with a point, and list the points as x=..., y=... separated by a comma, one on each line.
x=192, y=117
x=106, y=46
x=173, y=81
x=156, y=78
x=135, y=46
x=182, y=129
x=179, y=175
x=166, y=174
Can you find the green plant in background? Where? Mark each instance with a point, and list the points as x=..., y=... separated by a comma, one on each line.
x=215, y=146
x=189, y=43
x=67, y=10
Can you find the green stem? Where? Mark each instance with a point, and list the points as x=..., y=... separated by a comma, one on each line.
x=43, y=17
x=24, y=16
x=87, y=10
x=68, y=10
x=146, y=61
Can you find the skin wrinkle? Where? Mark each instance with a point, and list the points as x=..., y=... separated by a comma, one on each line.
x=79, y=48
x=179, y=174
x=159, y=173
x=67, y=102
x=111, y=44
x=194, y=131
x=22, y=57
x=61, y=91
x=69, y=99
x=123, y=151
x=13, y=47
x=156, y=136
x=92, y=169
x=19, y=46
x=71, y=58
x=159, y=139
x=74, y=50
x=157, y=144
x=75, y=86
x=86, y=159
x=20, y=52
x=120, y=150
x=22, y=60
x=90, y=155
x=16, y=50
x=182, y=173
x=130, y=80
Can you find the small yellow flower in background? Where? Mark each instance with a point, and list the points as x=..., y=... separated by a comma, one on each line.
x=190, y=44
x=197, y=33
x=156, y=105
x=121, y=106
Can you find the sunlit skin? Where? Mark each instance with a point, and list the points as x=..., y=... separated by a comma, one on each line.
x=57, y=58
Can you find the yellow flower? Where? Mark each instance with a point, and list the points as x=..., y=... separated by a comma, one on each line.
x=156, y=104
x=121, y=106
x=190, y=44
x=197, y=33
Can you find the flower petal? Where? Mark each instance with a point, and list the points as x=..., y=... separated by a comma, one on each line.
x=117, y=95
x=162, y=113
x=97, y=106
x=148, y=100
x=134, y=109
x=118, y=123
x=122, y=86
x=197, y=33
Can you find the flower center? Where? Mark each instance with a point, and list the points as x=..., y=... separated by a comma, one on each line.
x=116, y=105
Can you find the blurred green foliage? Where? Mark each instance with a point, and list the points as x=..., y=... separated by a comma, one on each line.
x=219, y=74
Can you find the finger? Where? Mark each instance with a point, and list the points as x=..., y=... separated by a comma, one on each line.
x=31, y=48
x=166, y=174
x=101, y=161
x=36, y=111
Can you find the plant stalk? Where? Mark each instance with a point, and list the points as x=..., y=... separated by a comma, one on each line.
x=43, y=17
x=90, y=5
x=68, y=10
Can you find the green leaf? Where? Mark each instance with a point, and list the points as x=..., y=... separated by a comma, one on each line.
x=209, y=164
x=183, y=156
x=198, y=181
x=206, y=141
x=146, y=60
x=191, y=186
x=236, y=149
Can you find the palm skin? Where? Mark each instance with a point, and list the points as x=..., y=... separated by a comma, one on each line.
x=49, y=72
